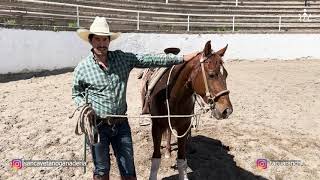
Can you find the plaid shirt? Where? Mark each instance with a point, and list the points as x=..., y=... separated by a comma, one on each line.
x=107, y=87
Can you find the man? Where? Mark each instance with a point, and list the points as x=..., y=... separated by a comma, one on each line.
x=104, y=76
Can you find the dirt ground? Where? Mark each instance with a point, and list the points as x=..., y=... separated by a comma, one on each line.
x=276, y=117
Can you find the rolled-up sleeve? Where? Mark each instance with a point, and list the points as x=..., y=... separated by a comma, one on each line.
x=159, y=60
x=78, y=88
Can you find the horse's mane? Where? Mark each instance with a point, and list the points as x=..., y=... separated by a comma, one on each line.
x=162, y=83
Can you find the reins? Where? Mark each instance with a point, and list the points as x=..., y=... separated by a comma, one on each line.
x=88, y=126
x=168, y=109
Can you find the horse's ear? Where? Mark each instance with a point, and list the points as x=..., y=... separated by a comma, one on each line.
x=222, y=51
x=207, y=48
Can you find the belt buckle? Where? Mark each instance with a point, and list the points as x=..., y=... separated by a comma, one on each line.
x=110, y=121
x=113, y=120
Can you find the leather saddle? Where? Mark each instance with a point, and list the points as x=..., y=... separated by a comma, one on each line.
x=147, y=74
x=151, y=77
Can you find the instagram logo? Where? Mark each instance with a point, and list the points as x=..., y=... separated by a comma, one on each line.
x=16, y=164
x=262, y=164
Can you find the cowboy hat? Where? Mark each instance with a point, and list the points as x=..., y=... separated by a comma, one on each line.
x=98, y=27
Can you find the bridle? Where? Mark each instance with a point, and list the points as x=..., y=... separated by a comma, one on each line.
x=211, y=98
x=210, y=95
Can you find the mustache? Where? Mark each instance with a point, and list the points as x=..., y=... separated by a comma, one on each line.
x=102, y=47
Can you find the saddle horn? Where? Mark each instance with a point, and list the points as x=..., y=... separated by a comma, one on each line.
x=172, y=50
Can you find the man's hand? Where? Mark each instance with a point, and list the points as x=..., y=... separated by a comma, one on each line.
x=190, y=56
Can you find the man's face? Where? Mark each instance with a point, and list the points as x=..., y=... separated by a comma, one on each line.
x=100, y=44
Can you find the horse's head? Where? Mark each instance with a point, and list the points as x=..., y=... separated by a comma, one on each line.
x=208, y=79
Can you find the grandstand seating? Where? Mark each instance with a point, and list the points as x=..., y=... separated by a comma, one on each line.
x=250, y=16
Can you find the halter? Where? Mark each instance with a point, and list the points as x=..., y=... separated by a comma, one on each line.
x=210, y=96
x=211, y=99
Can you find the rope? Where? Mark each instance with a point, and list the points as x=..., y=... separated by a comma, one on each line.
x=149, y=116
x=205, y=80
x=168, y=108
x=85, y=124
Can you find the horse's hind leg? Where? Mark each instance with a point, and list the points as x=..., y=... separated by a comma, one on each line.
x=156, y=156
x=167, y=153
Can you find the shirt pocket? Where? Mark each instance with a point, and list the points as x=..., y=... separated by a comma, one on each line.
x=101, y=81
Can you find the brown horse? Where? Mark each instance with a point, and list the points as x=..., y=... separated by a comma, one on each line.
x=204, y=75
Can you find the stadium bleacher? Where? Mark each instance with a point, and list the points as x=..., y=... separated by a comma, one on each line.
x=224, y=16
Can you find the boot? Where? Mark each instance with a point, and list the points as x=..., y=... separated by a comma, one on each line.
x=182, y=168
x=146, y=104
x=128, y=178
x=144, y=119
x=155, y=164
x=140, y=74
x=98, y=177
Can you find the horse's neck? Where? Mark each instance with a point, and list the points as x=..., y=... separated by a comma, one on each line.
x=180, y=92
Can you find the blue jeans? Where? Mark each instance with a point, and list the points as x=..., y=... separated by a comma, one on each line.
x=119, y=135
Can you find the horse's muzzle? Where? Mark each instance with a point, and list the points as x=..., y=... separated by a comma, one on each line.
x=226, y=113
x=221, y=115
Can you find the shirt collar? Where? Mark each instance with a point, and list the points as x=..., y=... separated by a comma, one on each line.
x=94, y=59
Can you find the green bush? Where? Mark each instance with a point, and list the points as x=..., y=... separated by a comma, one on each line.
x=11, y=22
x=72, y=24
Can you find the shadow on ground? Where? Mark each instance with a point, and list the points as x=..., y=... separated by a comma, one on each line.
x=209, y=159
x=28, y=75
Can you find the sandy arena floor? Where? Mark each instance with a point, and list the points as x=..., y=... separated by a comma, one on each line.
x=276, y=117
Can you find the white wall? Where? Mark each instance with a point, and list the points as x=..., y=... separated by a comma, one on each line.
x=26, y=50
x=240, y=46
x=29, y=50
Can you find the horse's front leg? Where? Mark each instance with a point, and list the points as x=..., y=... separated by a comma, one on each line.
x=181, y=160
x=156, y=156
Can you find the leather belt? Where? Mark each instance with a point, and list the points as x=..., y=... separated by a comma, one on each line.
x=113, y=120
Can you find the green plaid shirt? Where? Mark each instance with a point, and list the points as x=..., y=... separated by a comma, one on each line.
x=107, y=87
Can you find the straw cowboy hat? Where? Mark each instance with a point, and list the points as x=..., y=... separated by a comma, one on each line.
x=98, y=27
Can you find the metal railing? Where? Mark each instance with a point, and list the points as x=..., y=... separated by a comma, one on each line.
x=138, y=12
x=236, y=2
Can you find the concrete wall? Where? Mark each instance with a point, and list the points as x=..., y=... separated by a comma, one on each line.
x=29, y=50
